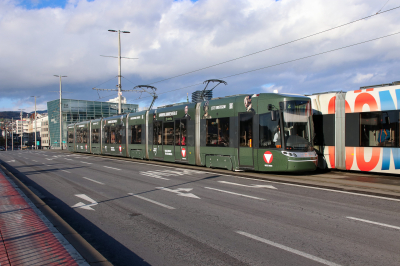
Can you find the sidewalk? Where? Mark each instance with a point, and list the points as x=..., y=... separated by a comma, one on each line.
x=26, y=236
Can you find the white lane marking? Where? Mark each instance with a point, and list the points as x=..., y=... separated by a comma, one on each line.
x=12, y=161
x=93, y=180
x=253, y=186
x=65, y=171
x=297, y=252
x=68, y=159
x=155, y=176
x=371, y=222
x=179, y=192
x=152, y=201
x=34, y=161
x=86, y=163
x=83, y=205
x=325, y=189
x=112, y=168
x=229, y=192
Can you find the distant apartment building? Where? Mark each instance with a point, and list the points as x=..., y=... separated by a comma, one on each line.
x=44, y=134
x=41, y=127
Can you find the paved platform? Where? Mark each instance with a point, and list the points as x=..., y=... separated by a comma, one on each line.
x=26, y=236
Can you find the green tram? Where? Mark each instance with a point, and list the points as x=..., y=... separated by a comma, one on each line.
x=241, y=132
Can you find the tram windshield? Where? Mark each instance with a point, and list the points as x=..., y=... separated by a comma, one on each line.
x=296, y=122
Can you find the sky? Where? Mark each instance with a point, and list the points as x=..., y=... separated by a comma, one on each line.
x=43, y=38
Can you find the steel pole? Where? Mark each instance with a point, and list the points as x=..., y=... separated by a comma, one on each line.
x=119, y=72
x=60, y=116
x=6, y=138
x=22, y=130
x=35, y=125
x=12, y=133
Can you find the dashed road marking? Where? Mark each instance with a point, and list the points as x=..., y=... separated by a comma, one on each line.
x=371, y=222
x=297, y=252
x=233, y=193
x=152, y=201
x=93, y=180
x=112, y=168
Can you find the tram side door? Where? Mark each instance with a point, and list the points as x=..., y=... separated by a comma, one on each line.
x=246, y=139
x=181, y=140
x=157, y=140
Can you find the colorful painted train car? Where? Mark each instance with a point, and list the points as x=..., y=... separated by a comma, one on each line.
x=359, y=130
x=241, y=132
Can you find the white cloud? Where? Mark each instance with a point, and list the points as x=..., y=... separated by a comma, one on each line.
x=360, y=78
x=174, y=37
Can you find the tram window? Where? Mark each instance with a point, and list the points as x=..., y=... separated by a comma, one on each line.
x=112, y=135
x=107, y=134
x=180, y=132
x=246, y=128
x=157, y=133
x=379, y=129
x=268, y=129
x=78, y=136
x=183, y=132
x=70, y=136
x=95, y=135
x=217, y=132
x=119, y=134
x=168, y=129
x=177, y=132
x=136, y=134
x=84, y=135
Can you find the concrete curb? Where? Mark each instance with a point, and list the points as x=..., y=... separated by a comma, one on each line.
x=90, y=254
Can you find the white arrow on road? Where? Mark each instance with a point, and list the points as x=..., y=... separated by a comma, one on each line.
x=179, y=192
x=254, y=186
x=83, y=205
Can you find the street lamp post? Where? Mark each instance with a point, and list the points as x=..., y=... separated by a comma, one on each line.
x=22, y=128
x=35, y=122
x=60, y=110
x=6, y=139
x=12, y=133
x=119, y=68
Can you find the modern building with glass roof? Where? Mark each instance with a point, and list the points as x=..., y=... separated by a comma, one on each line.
x=74, y=111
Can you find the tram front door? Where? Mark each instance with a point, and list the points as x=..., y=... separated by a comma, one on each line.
x=246, y=140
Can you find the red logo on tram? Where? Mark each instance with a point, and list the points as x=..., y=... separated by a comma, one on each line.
x=183, y=151
x=268, y=158
x=86, y=146
x=120, y=148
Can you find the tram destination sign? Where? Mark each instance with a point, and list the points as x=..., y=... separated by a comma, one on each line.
x=167, y=114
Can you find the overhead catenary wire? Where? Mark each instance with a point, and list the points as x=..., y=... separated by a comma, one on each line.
x=279, y=45
x=254, y=53
x=286, y=62
x=382, y=7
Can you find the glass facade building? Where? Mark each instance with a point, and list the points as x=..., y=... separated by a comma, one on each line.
x=74, y=111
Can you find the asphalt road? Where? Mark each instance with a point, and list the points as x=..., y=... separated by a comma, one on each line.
x=145, y=214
